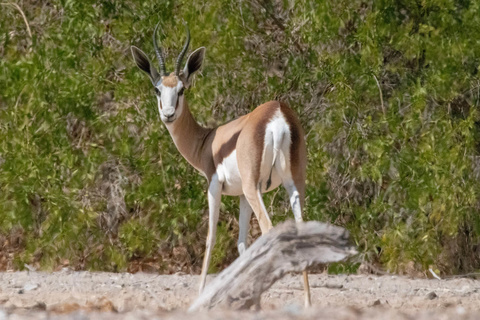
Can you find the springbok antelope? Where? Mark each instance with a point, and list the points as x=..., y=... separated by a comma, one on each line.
x=245, y=157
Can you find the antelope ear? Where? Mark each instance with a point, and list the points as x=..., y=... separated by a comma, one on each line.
x=144, y=64
x=194, y=62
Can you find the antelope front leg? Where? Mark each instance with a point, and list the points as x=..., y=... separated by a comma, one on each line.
x=214, y=196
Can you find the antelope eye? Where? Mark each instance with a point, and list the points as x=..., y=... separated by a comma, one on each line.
x=157, y=92
x=181, y=91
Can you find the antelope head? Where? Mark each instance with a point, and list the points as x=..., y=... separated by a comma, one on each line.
x=169, y=88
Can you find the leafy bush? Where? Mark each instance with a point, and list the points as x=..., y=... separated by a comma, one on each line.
x=388, y=92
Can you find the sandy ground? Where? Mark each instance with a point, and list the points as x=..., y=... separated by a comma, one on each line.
x=87, y=295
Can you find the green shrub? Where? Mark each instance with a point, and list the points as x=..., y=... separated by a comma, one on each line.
x=387, y=92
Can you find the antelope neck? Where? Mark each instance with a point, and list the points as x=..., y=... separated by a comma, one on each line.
x=192, y=141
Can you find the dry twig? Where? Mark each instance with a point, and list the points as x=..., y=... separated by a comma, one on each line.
x=381, y=94
x=21, y=12
x=289, y=247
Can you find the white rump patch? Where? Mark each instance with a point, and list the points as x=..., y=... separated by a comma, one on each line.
x=275, y=165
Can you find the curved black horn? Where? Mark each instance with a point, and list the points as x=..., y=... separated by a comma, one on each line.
x=158, y=52
x=182, y=54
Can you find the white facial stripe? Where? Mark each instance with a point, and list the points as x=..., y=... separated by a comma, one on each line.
x=167, y=104
x=169, y=99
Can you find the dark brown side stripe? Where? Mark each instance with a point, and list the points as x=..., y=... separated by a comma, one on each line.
x=226, y=149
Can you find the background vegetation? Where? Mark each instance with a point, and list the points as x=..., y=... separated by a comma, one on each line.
x=388, y=92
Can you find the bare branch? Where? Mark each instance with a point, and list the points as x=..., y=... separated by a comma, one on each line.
x=289, y=247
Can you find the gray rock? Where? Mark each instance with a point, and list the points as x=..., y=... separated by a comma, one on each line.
x=432, y=295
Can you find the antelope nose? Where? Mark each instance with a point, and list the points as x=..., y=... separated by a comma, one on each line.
x=170, y=116
x=168, y=112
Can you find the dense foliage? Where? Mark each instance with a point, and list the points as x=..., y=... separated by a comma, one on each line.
x=388, y=93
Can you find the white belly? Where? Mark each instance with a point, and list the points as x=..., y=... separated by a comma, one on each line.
x=229, y=175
